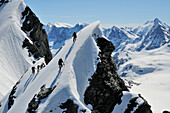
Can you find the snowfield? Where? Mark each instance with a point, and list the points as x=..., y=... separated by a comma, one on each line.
x=155, y=85
x=14, y=60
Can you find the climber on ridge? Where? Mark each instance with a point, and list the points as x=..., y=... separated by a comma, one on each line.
x=74, y=36
x=60, y=63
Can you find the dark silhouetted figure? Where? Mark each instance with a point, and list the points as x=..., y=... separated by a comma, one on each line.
x=42, y=65
x=60, y=63
x=38, y=68
x=74, y=36
x=33, y=70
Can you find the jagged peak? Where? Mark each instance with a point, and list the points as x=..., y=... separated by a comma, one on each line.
x=81, y=24
x=156, y=20
x=115, y=28
x=153, y=22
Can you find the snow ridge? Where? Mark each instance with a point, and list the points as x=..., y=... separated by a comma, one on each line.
x=69, y=81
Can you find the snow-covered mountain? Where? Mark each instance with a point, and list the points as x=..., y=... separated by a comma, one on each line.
x=120, y=37
x=141, y=51
x=143, y=60
x=17, y=57
x=88, y=82
x=58, y=33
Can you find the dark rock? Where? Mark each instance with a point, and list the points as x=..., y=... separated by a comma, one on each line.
x=143, y=108
x=69, y=106
x=166, y=112
x=95, y=111
x=11, y=96
x=106, y=87
x=105, y=90
x=34, y=103
x=44, y=92
x=131, y=105
x=33, y=28
x=83, y=110
x=3, y=2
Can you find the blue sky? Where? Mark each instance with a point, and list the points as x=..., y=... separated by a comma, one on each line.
x=109, y=12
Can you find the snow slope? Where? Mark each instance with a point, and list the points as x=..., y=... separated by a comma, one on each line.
x=71, y=81
x=14, y=60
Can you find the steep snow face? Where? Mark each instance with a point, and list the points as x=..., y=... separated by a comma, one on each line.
x=58, y=33
x=156, y=37
x=14, y=60
x=80, y=60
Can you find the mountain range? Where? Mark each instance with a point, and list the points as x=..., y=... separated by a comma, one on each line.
x=140, y=54
x=111, y=70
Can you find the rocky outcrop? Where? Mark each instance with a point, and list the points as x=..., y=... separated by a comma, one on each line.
x=34, y=103
x=3, y=1
x=141, y=108
x=45, y=92
x=106, y=87
x=70, y=107
x=33, y=28
x=12, y=96
x=166, y=112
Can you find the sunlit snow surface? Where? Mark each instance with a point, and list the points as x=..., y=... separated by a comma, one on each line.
x=148, y=68
x=14, y=60
x=80, y=60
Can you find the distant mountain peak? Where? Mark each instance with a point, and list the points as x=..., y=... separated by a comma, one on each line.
x=81, y=24
x=63, y=25
x=148, y=22
x=156, y=20
x=115, y=28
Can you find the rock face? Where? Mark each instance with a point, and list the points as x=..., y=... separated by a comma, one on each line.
x=43, y=93
x=3, y=1
x=166, y=112
x=12, y=96
x=141, y=108
x=69, y=106
x=106, y=87
x=35, y=32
